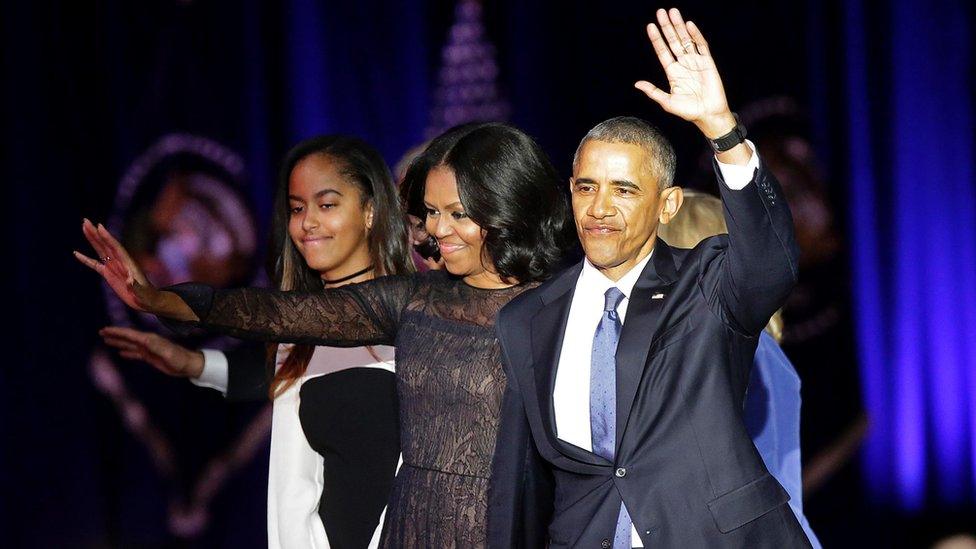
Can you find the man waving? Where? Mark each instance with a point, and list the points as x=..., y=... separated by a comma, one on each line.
x=627, y=372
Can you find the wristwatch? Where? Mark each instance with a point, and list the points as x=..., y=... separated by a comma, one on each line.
x=731, y=139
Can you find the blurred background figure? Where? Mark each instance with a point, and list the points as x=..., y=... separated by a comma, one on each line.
x=198, y=227
x=423, y=246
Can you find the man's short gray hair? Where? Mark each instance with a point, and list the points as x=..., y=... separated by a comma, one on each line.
x=634, y=131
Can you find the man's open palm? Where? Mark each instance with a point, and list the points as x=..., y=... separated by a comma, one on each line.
x=696, y=88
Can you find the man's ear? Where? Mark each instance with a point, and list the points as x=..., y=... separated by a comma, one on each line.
x=671, y=200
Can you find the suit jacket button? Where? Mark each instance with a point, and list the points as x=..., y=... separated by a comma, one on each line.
x=605, y=544
x=620, y=472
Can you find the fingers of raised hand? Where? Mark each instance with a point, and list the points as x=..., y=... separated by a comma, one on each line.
x=113, y=264
x=89, y=262
x=659, y=45
x=107, y=263
x=687, y=44
x=110, y=242
x=91, y=234
x=119, y=258
x=698, y=39
x=656, y=94
x=670, y=34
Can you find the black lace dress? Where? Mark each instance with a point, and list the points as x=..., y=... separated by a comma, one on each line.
x=449, y=382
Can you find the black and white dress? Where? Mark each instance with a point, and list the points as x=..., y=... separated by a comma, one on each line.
x=334, y=442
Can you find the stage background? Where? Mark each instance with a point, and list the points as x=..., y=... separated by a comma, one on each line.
x=888, y=95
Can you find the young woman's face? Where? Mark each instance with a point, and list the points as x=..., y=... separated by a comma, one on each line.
x=327, y=220
x=461, y=240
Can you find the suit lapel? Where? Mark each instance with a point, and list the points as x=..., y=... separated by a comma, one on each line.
x=641, y=326
x=547, y=330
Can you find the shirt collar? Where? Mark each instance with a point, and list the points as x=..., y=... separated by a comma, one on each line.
x=593, y=279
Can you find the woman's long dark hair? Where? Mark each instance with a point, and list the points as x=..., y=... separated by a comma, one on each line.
x=387, y=238
x=510, y=189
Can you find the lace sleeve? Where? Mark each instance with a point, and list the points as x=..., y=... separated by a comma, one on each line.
x=350, y=316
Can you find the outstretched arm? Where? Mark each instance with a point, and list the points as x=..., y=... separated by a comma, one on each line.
x=353, y=315
x=241, y=373
x=166, y=356
x=752, y=278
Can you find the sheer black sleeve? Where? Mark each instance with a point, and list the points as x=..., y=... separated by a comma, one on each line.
x=350, y=316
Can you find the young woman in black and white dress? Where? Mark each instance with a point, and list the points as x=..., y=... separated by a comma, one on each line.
x=334, y=436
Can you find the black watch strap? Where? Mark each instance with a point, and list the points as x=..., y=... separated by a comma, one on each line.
x=731, y=139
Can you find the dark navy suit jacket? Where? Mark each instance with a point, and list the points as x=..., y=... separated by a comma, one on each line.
x=685, y=465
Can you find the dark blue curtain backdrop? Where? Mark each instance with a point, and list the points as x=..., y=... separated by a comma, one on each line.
x=910, y=100
x=89, y=86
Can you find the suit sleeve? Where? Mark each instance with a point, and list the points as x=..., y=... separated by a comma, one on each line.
x=750, y=279
x=521, y=493
x=249, y=372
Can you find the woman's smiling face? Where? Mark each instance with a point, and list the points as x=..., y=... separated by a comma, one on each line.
x=460, y=239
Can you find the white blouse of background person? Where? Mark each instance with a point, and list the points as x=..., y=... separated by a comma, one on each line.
x=295, y=470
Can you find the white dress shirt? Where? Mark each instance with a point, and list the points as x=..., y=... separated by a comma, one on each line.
x=571, y=393
x=295, y=472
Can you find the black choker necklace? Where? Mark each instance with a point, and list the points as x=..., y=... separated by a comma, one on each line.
x=350, y=277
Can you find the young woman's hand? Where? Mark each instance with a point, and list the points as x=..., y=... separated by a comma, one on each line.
x=164, y=355
x=125, y=277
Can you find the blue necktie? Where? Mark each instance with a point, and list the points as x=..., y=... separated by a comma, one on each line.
x=603, y=397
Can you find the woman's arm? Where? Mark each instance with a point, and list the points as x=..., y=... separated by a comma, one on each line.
x=353, y=315
x=357, y=314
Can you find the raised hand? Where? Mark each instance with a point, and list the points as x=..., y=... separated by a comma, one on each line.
x=164, y=355
x=117, y=267
x=696, y=91
x=125, y=277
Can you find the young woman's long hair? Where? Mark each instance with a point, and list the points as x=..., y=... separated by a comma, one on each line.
x=509, y=187
x=387, y=238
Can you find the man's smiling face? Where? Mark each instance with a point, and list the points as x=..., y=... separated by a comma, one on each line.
x=616, y=205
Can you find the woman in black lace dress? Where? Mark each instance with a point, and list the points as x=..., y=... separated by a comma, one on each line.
x=495, y=205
